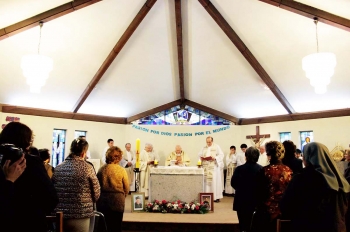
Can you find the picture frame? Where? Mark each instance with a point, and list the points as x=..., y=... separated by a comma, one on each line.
x=207, y=198
x=137, y=202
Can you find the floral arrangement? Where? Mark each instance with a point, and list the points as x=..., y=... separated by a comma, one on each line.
x=177, y=207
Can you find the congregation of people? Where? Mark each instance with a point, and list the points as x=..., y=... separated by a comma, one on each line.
x=268, y=182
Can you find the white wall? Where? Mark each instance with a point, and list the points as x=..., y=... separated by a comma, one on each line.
x=329, y=131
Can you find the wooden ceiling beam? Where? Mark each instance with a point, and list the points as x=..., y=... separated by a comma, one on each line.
x=61, y=114
x=154, y=110
x=115, y=51
x=296, y=117
x=179, y=46
x=311, y=12
x=211, y=111
x=44, y=17
x=236, y=40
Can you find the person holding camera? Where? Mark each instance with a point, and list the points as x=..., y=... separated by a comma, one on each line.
x=32, y=195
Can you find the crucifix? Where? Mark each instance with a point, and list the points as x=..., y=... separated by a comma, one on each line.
x=257, y=137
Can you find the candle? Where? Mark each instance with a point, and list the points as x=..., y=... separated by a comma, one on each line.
x=199, y=162
x=156, y=162
x=138, y=145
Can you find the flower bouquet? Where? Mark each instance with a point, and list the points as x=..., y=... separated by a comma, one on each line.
x=177, y=207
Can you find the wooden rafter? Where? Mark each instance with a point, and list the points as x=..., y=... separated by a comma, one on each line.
x=296, y=117
x=44, y=17
x=154, y=110
x=219, y=19
x=179, y=46
x=210, y=111
x=61, y=114
x=115, y=51
x=311, y=12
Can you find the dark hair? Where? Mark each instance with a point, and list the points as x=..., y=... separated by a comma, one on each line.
x=243, y=145
x=34, y=151
x=110, y=140
x=298, y=151
x=289, y=148
x=113, y=155
x=18, y=134
x=232, y=147
x=44, y=154
x=275, y=150
x=252, y=155
x=79, y=146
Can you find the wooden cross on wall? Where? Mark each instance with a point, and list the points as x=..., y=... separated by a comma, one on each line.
x=257, y=136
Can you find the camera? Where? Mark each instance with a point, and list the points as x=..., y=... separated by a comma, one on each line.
x=9, y=152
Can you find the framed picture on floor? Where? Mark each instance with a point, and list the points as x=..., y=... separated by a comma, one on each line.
x=207, y=199
x=137, y=202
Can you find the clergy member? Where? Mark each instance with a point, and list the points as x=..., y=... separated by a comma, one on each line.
x=180, y=156
x=263, y=161
x=241, y=155
x=130, y=160
x=231, y=163
x=110, y=143
x=147, y=159
x=212, y=157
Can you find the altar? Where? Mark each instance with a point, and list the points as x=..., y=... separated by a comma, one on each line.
x=173, y=182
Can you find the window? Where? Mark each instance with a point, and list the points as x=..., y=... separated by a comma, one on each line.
x=285, y=136
x=182, y=116
x=305, y=138
x=78, y=133
x=58, y=146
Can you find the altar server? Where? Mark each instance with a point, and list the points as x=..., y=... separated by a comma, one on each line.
x=147, y=158
x=180, y=156
x=231, y=163
x=241, y=155
x=212, y=157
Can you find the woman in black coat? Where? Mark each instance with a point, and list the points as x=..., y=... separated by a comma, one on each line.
x=289, y=157
x=317, y=198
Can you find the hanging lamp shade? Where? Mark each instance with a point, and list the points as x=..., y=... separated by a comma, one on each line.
x=319, y=68
x=36, y=69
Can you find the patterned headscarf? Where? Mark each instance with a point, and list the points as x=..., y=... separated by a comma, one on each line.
x=275, y=149
x=318, y=155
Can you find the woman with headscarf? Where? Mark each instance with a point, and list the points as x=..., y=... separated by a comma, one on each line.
x=289, y=158
x=114, y=189
x=273, y=180
x=317, y=198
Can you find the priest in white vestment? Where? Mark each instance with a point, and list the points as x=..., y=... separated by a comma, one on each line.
x=130, y=159
x=241, y=155
x=147, y=158
x=263, y=161
x=212, y=161
x=179, y=157
x=231, y=163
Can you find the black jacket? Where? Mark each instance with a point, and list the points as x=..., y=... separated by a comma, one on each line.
x=295, y=164
x=244, y=181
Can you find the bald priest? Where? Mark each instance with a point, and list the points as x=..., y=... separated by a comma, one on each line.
x=178, y=158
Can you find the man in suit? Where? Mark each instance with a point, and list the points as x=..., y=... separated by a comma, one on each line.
x=244, y=181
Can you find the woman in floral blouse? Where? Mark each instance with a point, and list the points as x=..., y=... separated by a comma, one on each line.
x=273, y=181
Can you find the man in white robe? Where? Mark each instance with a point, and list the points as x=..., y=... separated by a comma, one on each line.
x=130, y=159
x=231, y=163
x=241, y=155
x=212, y=158
x=263, y=161
x=179, y=156
x=110, y=144
x=147, y=158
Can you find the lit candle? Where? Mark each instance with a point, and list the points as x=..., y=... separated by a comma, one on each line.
x=199, y=162
x=156, y=162
x=138, y=145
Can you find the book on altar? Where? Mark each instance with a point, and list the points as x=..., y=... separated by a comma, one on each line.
x=207, y=158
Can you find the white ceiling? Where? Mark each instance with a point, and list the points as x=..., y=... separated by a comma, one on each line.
x=145, y=73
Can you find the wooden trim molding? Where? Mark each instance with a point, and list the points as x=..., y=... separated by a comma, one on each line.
x=115, y=51
x=311, y=12
x=44, y=17
x=61, y=114
x=236, y=40
x=296, y=117
x=154, y=110
x=179, y=47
